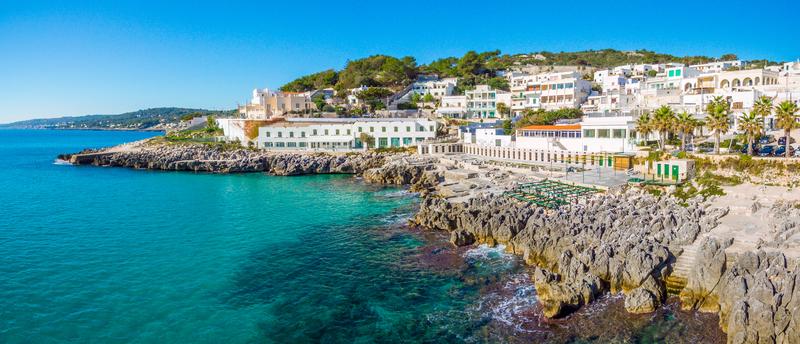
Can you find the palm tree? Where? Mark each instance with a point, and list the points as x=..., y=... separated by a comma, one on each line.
x=751, y=126
x=787, y=116
x=717, y=119
x=644, y=125
x=663, y=123
x=685, y=125
x=763, y=108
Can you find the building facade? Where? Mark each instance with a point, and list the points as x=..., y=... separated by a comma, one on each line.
x=483, y=100
x=265, y=103
x=343, y=134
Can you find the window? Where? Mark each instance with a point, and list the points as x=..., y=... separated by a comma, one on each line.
x=371, y=129
x=279, y=144
x=406, y=141
x=291, y=134
x=671, y=73
x=302, y=134
x=677, y=72
x=603, y=133
x=314, y=132
x=383, y=142
x=360, y=129
x=268, y=133
x=291, y=144
x=326, y=132
x=301, y=144
x=383, y=129
x=619, y=133
x=395, y=129
x=267, y=144
x=408, y=129
x=588, y=132
x=431, y=127
x=280, y=134
x=337, y=132
x=348, y=132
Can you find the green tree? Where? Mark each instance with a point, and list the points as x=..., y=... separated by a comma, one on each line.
x=644, y=125
x=728, y=57
x=508, y=127
x=367, y=139
x=498, y=83
x=652, y=73
x=469, y=64
x=787, y=117
x=750, y=125
x=685, y=125
x=428, y=98
x=503, y=110
x=763, y=108
x=717, y=119
x=373, y=97
x=663, y=123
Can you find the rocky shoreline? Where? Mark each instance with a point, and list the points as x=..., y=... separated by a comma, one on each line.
x=617, y=242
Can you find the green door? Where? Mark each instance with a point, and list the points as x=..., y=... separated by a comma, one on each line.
x=601, y=161
x=383, y=142
x=666, y=170
x=610, y=162
x=675, y=172
x=395, y=142
x=658, y=170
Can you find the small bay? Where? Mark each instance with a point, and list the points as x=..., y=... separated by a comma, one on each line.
x=115, y=255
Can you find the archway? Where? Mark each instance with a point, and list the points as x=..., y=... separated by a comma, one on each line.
x=758, y=80
x=747, y=82
x=736, y=83
x=724, y=84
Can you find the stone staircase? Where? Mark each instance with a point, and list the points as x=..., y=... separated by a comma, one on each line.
x=680, y=270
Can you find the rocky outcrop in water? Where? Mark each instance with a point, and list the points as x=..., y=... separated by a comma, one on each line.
x=202, y=158
x=610, y=243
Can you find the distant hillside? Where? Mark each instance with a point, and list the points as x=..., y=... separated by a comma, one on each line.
x=473, y=67
x=155, y=118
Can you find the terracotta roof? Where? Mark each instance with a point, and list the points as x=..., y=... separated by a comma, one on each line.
x=552, y=127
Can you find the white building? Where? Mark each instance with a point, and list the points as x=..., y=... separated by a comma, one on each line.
x=716, y=67
x=494, y=137
x=482, y=102
x=452, y=106
x=549, y=91
x=436, y=88
x=265, y=103
x=342, y=134
x=595, y=133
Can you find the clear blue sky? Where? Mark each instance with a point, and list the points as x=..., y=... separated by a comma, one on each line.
x=74, y=57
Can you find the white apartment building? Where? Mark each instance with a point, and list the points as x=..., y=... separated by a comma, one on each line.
x=436, y=88
x=265, y=103
x=716, y=67
x=452, y=106
x=549, y=91
x=494, y=137
x=482, y=102
x=342, y=134
x=595, y=133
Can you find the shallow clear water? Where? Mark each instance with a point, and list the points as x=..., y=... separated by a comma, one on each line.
x=97, y=255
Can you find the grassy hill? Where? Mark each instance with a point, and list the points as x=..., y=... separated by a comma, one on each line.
x=473, y=67
x=141, y=119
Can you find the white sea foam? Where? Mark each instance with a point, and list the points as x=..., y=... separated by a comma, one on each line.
x=515, y=310
x=60, y=162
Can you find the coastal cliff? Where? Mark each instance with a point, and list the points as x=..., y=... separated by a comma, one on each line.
x=617, y=242
x=200, y=158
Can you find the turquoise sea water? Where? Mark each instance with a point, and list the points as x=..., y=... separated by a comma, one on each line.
x=110, y=255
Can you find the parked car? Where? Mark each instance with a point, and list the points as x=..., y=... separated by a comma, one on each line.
x=744, y=149
x=782, y=140
x=766, y=150
x=781, y=151
x=766, y=139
